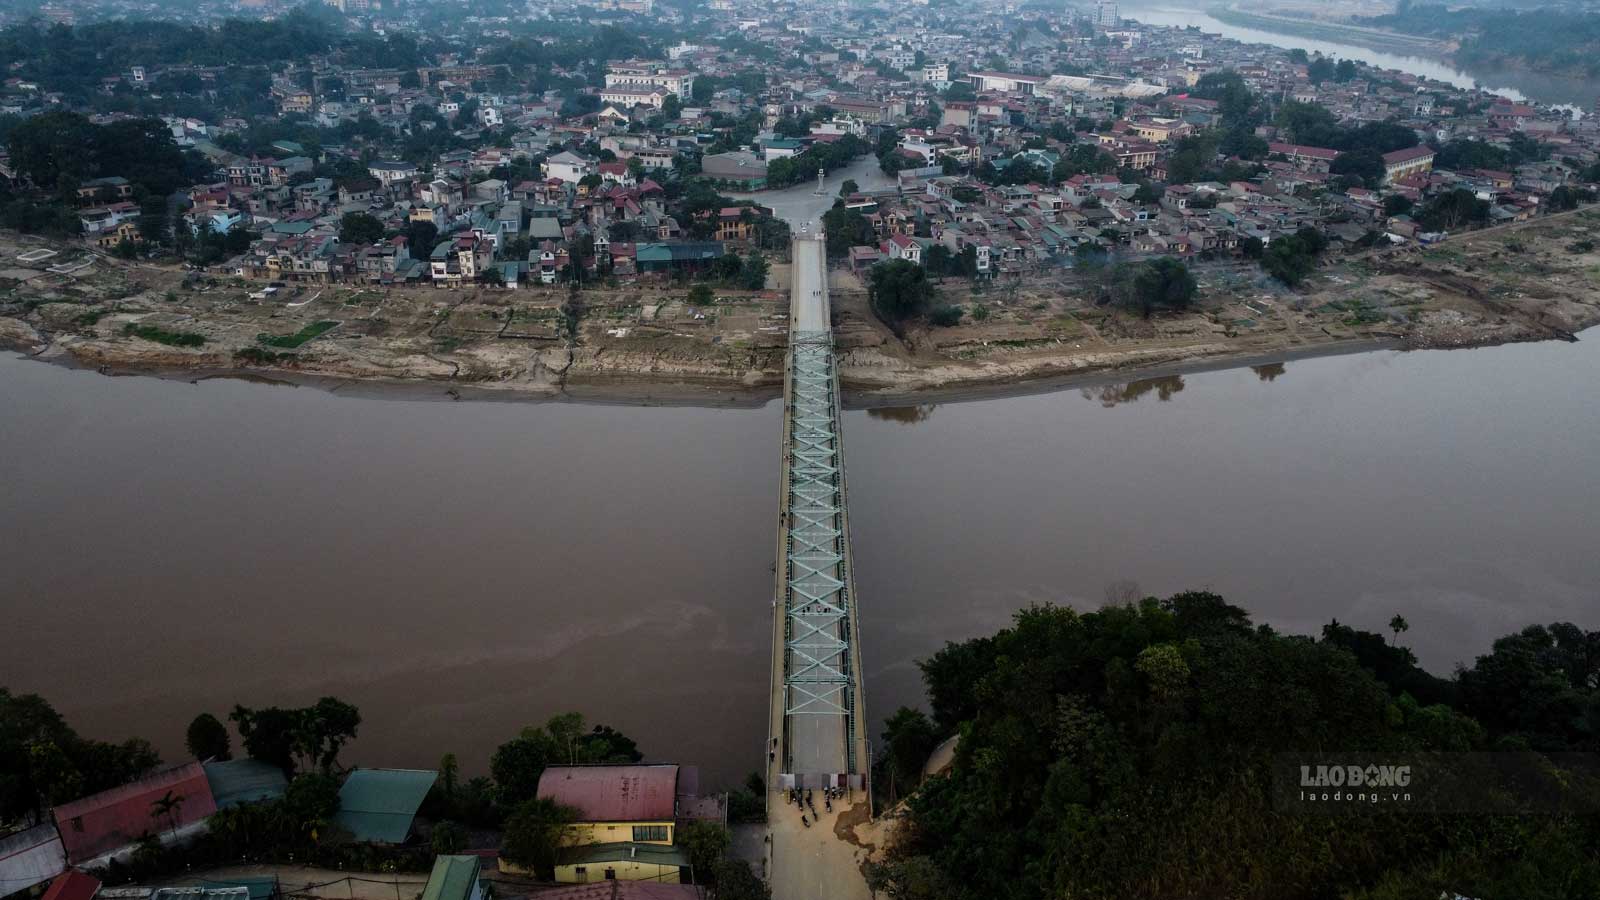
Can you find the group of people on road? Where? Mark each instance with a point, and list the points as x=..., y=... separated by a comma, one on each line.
x=805, y=801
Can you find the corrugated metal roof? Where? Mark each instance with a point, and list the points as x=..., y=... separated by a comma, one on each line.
x=260, y=887
x=452, y=878
x=73, y=885
x=378, y=804
x=239, y=781
x=614, y=793
x=30, y=857
x=622, y=890
x=113, y=819
x=655, y=854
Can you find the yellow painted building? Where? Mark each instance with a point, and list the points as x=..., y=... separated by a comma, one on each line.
x=621, y=862
x=625, y=822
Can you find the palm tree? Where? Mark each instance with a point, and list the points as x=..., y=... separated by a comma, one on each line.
x=167, y=806
x=1397, y=625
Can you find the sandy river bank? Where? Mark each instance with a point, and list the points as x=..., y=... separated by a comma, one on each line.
x=653, y=345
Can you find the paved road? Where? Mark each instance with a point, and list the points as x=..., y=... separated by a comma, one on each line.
x=800, y=204
x=809, y=305
x=813, y=863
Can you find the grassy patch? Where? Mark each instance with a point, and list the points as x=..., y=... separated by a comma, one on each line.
x=291, y=341
x=163, y=336
x=92, y=317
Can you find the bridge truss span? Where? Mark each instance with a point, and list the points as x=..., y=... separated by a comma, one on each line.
x=817, y=699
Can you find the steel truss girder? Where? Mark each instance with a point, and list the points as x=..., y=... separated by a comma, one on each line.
x=816, y=602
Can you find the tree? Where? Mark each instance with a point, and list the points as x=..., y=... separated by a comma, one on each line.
x=360, y=228
x=1397, y=625
x=706, y=844
x=753, y=276
x=421, y=238
x=207, y=738
x=1163, y=283
x=310, y=803
x=153, y=220
x=1321, y=69
x=848, y=187
x=1289, y=260
x=844, y=228
x=165, y=809
x=518, y=763
x=294, y=738
x=43, y=762
x=1192, y=158
x=701, y=295
x=1345, y=71
x=1452, y=210
x=898, y=289
x=1365, y=164
x=448, y=837
x=908, y=738
x=534, y=832
x=736, y=881
x=914, y=878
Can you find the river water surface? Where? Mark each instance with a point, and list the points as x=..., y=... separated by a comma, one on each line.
x=1513, y=84
x=461, y=569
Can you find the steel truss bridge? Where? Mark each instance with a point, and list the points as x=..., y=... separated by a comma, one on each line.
x=817, y=709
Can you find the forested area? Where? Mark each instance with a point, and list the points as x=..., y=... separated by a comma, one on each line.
x=1126, y=753
x=1546, y=39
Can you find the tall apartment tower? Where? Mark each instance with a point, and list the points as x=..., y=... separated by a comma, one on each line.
x=1105, y=14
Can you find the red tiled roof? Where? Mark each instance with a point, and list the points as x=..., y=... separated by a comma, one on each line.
x=614, y=793
x=1303, y=150
x=1408, y=154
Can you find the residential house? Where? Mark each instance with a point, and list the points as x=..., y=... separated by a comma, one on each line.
x=568, y=167
x=455, y=877
x=387, y=171
x=31, y=857
x=169, y=803
x=626, y=815
x=378, y=805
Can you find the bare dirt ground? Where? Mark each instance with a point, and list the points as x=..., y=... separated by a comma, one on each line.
x=1532, y=281
x=484, y=338
x=62, y=302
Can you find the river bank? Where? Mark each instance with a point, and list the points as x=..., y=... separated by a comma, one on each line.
x=1530, y=281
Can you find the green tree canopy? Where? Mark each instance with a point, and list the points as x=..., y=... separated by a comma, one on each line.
x=534, y=832
x=1127, y=752
x=207, y=738
x=44, y=762
x=898, y=290
x=360, y=228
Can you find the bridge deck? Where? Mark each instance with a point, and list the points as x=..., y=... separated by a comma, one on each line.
x=816, y=703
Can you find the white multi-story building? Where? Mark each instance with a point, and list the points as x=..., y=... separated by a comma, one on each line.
x=1105, y=14
x=646, y=75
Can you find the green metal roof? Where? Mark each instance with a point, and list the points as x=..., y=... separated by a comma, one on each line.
x=378, y=805
x=239, y=781
x=452, y=878
x=623, y=851
x=260, y=887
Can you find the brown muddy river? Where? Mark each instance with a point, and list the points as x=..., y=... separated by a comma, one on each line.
x=461, y=569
